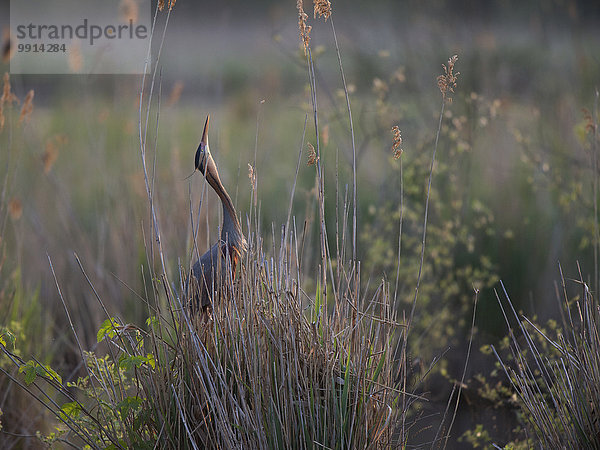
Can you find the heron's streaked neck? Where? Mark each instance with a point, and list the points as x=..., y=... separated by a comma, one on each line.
x=231, y=230
x=231, y=225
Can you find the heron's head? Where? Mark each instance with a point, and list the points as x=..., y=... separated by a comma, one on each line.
x=203, y=153
x=205, y=163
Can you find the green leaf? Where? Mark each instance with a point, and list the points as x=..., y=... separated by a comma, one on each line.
x=32, y=370
x=151, y=360
x=70, y=410
x=128, y=404
x=318, y=301
x=129, y=362
x=7, y=336
x=379, y=367
x=29, y=370
x=108, y=328
x=152, y=322
x=48, y=372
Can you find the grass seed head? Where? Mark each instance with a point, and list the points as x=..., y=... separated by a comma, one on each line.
x=302, y=26
x=252, y=176
x=399, y=75
x=129, y=10
x=7, y=98
x=380, y=87
x=74, y=58
x=7, y=95
x=590, y=125
x=312, y=155
x=325, y=135
x=396, y=145
x=322, y=8
x=27, y=108
x=15, y=208
x=447, y=81
x=50, y=155
x=175, y=94
x=8, y=46
x=51, y=151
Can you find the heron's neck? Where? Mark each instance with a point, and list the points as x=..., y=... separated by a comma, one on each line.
x=231, y=226
x=231, y=232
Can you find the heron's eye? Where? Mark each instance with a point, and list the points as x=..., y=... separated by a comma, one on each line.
x=200, y=158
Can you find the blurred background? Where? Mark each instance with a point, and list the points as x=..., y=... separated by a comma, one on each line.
x=513, y=190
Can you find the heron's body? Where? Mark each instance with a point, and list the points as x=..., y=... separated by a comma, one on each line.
x=211, y=270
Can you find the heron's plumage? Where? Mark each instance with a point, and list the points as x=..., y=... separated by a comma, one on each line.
x=210, y=270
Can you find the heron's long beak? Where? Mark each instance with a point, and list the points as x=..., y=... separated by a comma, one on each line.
x=205, y=132
x=201, y=152
x=205, y=163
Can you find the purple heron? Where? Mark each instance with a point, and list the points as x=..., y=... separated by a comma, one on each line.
x=211, y=269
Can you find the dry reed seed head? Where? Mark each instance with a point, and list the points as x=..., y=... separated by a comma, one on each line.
x=128, y=10
x=397, y=142
x=15, y=208
x=27, y=108
x=7, y=98
x=312, y=155
x=50, y=155
x=51, y=151
x=325, y=135
x=252, y=176
x=161, y=4
x=399, y=75
x=380, y=87
x=590, y=125
x=302, y=26
x=7, y=95
x=447, y=81
x=175, y=94
x=322, y=8
x=8, y=46
x=74, y=58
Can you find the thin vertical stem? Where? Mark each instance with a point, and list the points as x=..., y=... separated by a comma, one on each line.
x=321, y=188
x=437, y=137
x=143, y=136
x=464, y=373
x=399, y=233
x=403, y=359
x=595, y=165
x=354, y=181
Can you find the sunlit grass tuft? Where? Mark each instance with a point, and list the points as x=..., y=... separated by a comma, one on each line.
x=557, y=376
